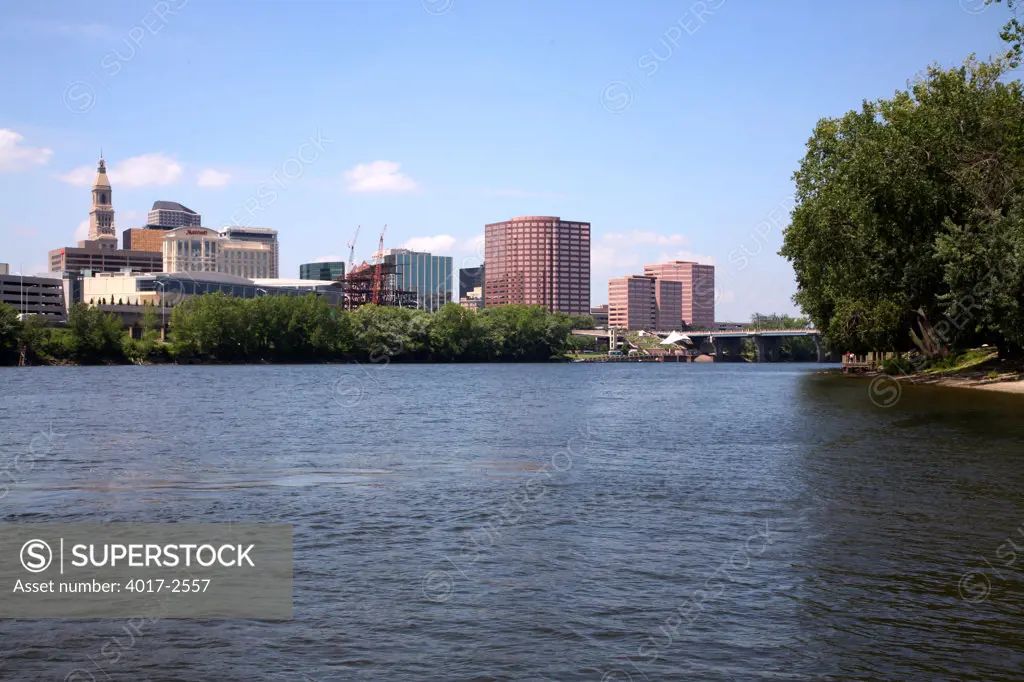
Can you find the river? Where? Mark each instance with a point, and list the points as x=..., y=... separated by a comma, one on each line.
x=543, y=522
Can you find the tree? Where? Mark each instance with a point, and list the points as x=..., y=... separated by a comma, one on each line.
x=891, y=200
x=10, y=334
x=95, y=335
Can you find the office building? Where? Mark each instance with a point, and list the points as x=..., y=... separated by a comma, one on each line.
x=538, y=260
x=326, y=270
x=698, y=304
x=168, y=215
x=256, y=235
x=102, y=255
x=4, y=268
x=473, y=300
x=200, y=249
x=600, y=315
x=428, y=277
x=43, y=296
x=642, y=302
x=469, y=279
x=143, y=239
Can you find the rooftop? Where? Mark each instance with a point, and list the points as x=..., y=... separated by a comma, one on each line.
x=171, y=206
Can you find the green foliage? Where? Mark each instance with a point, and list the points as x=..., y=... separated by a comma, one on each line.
x=904, y=208
x=899, y=366
x=95, y=335
x=307, y=329
x=10, y=334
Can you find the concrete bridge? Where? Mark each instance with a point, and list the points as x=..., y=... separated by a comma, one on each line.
x=725, y=345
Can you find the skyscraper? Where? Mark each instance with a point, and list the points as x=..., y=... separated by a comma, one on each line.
x=538, y=260
x=101, y=215
x=429, y=276
x=167, y=215
x=644, y=302
x=698, y=299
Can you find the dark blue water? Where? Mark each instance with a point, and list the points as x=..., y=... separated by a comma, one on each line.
x=618, y=522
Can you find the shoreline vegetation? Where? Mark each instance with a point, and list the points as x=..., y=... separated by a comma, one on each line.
x=977, y=368
x=907, y=235
x=219, y=329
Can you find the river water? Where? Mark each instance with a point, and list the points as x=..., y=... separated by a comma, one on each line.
x=544, y=522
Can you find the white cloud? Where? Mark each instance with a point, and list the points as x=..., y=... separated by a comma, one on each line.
x=645, y=237
x=82, y=231
x=378, y=176
x=687, y=256
x=438, y=245
x=328, y=259
x=608, y=259
x=146, y=170
x=15, y=156
x=213, y=178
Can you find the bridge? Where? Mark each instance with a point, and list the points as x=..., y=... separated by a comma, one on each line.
x=725, y=344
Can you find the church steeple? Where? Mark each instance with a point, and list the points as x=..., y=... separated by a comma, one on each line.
x=101, y=217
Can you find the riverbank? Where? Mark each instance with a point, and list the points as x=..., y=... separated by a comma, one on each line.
x=986, y=373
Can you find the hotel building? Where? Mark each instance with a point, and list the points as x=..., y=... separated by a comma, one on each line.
x=538, y=260
x=200, y=249
x=642, y=302
x=430, y=277
x=256, y=235
x=698, y=303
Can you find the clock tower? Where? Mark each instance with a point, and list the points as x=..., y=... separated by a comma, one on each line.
x=101, y=217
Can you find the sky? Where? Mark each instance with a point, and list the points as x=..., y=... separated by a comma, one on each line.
x=674, y=128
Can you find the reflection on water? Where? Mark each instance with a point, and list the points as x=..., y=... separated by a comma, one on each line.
x=625, y=522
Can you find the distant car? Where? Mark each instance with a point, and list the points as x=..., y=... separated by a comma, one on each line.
x=615, y=352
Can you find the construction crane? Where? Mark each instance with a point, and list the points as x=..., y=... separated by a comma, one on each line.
x=352, y=250
x=378, y=272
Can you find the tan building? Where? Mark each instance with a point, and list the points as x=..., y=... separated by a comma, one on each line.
x=538, y=260
x=698, y=296
x=200, y=249
x=143, y=239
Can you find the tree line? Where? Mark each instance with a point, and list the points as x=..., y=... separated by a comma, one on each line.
x=284, y=329
x=908, y=231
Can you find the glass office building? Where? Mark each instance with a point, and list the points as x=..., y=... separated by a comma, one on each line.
x=329, y=270
x=430, y=277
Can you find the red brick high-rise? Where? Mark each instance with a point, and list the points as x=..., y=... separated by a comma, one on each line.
x=538, y=260
x=698, y=308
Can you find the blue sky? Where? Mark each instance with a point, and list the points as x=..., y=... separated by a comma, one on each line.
x=673, y=127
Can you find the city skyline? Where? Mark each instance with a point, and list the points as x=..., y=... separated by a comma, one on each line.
x=694, y=167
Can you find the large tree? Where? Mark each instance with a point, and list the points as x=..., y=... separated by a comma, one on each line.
x=891, y=200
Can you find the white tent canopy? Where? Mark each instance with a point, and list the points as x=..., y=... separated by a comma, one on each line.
x=675, y=337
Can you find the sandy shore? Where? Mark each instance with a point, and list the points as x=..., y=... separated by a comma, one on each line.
x=1004, y=386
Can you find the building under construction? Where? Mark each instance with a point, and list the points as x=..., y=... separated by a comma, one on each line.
x=375, y=283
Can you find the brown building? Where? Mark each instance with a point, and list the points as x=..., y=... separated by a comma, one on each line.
x=643, y=302
x=143, y=239
x=698, y=298
x=102, y=255
x=600, y=315
x=538, y=260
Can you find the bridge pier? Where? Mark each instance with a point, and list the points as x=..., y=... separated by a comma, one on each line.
x=767, y=348
x=728, y=349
